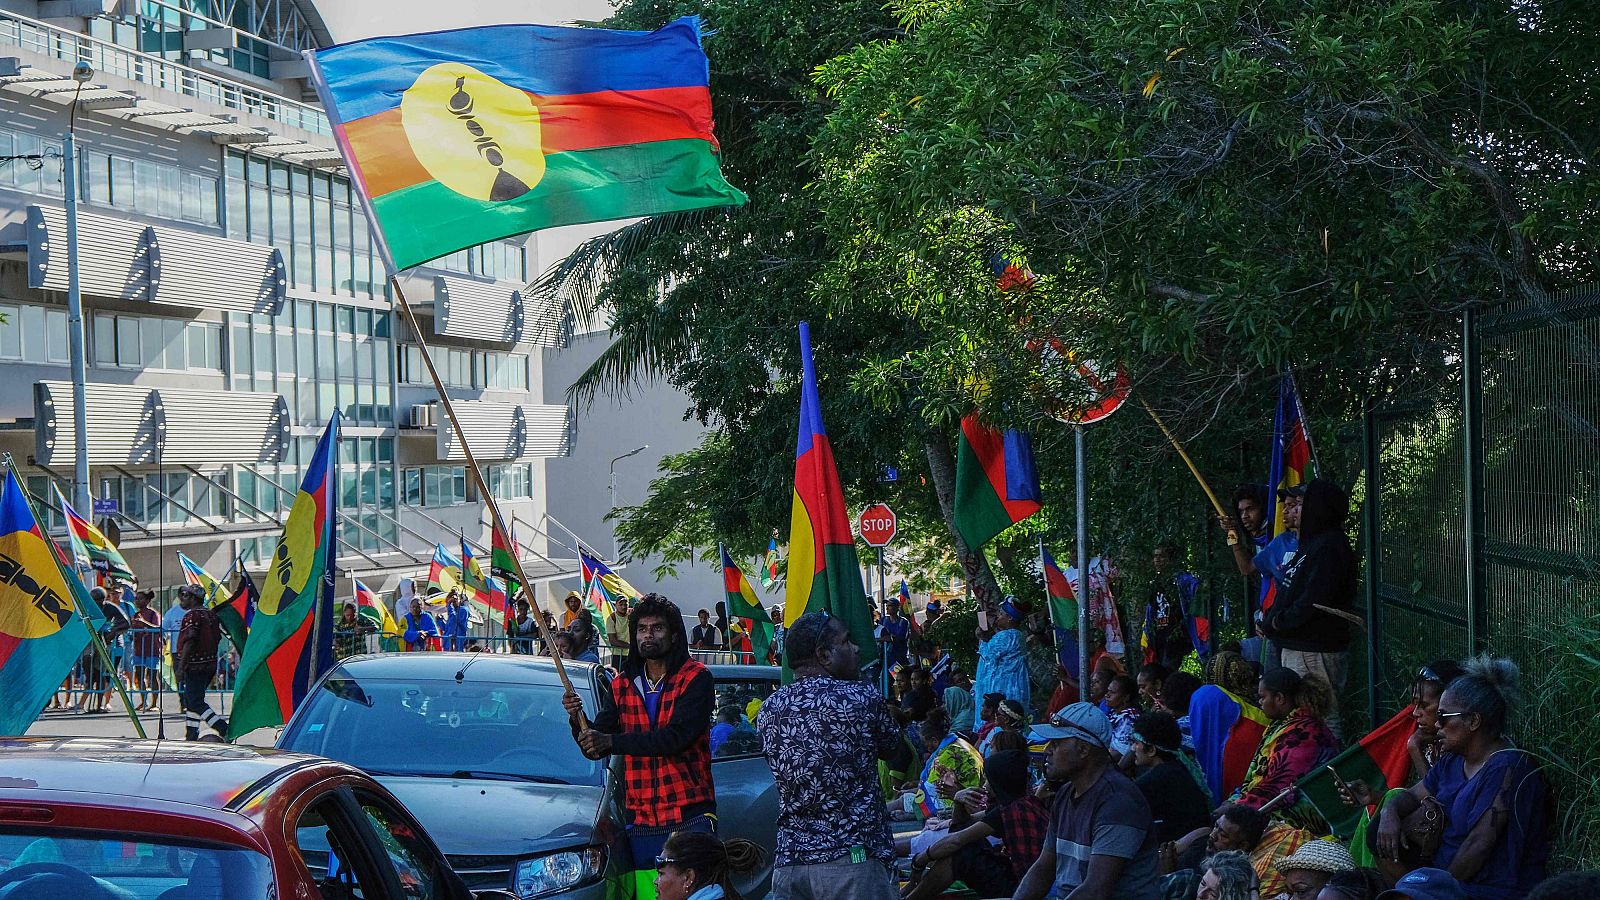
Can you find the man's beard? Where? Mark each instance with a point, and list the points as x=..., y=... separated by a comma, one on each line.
x=654, y=649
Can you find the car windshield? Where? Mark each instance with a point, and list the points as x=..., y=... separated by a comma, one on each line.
x=57, y=864
x=474, y=729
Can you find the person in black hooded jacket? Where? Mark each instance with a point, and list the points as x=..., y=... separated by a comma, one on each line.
x=1321, y=576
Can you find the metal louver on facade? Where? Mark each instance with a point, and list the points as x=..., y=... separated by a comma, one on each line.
x=134, y=425
x=505, y=431
x=478, y=310
x=154, y=263
x=116, y=257
x=257, y=426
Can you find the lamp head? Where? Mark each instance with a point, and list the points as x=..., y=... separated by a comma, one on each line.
x=82, y=72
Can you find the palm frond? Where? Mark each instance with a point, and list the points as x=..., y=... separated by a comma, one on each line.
x=642, y=351
x=575, y=285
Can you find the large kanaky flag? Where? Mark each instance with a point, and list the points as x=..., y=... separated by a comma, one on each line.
x=463, y=137
x=1381, y=759
x=743, y=604
x=997, y=484
x=291, y=638
x=237, y=612
x=824, y=573
x=41, y=634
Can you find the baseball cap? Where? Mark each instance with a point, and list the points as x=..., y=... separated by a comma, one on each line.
x=1426, y=884
x=1080, y=720
x=1298, y=490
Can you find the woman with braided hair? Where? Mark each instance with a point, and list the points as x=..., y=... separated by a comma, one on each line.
x=1297, y=742
x=694, y=865
x=1225, y=726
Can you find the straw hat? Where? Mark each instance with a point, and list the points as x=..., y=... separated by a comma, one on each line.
x=1317, y=856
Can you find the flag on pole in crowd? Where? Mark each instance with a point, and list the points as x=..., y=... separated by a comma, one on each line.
x=997, y=485
x=743, y=604
x=291, y=636
x=1291, y=448
x=824, y=573
x=444, y=573
x=88, y=542
x=214, y=591
x=78, y=557
x=769, y=564
x=1063, y=611
x=482, y=590
x=602, y=588
x=41, y=632
x=503, y=555
x=1196, y=628
x=237, y=611
x=462, y=137
x=371, y=608
x=1381, y=759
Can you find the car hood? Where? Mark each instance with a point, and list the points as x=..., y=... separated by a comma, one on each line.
x=500, y=818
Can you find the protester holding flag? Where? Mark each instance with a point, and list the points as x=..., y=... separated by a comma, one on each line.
x=421, y=628
x=660, y=725
x=196, y=663
x=453, y=623
x=1002, y=661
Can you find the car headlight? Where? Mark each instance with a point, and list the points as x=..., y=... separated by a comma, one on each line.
x=558, y=871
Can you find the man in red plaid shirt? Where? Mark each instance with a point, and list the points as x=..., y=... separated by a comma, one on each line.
x=658, y=719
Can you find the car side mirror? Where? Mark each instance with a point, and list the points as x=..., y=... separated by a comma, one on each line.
x=494, y=894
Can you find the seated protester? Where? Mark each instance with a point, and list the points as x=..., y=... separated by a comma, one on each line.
x=1122, y=707
x=731, y=735
x=1307, y=870
x=1009, y=717
x=1176, y=692
x=1101, y=842
x=920, y=698
x=1003, y=810
x=1227, y=876
x=987, y=711
x=1297, y=742
x=953, y=765
x=1437, y=884
x=1169, y=778
x=1493, y=798
x=1356, y=884
x=1567, y=884
x=957, y=699
x=1426, y=690
x=1224, y=723
x=1246, y=830
x=1151, y=677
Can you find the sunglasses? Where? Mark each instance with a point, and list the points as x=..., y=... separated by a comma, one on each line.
x=1452, y=715
x=665, y=861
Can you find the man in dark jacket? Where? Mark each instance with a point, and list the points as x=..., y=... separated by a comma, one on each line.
x=1321, y=577
x=659, y=721
x=196, y=664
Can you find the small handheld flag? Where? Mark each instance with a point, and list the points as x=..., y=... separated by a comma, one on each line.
x=743, y=604
x=457, y=138
x=89, y=543
x=1063, y=611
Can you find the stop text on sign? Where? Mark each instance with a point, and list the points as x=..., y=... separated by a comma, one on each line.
x=877, y=525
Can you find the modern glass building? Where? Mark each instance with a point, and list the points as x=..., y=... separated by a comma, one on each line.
x=233, y=300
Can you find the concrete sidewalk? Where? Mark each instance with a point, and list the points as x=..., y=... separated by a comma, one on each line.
x=115, y=723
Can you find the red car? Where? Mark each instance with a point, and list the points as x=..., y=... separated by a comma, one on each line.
x=107, y=819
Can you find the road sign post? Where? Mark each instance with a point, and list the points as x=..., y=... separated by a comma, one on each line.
x=877, y=526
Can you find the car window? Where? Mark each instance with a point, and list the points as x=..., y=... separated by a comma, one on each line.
x=128, y=866
x=733, y=730
x=471, y=729
x=321, y=847
x=414, y=861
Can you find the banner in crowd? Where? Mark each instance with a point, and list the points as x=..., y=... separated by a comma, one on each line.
x=1063, y=611
x=744, y=605
x=90, y=544
x=487, y=595
x=41, y=634
x=370, y=607
x=503, y=554
x=237, y=612
x=463, y=137
x=1381, y=759
x=997, y=484
x=1103, y=614
x=602, y=589
x=824, y=572
x=291, y=637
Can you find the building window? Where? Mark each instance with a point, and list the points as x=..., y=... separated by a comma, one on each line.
x=500, y=260
x=512, y=481
x=32, y=176
x=466, y=369
x=148, y=187
x=435, y=485
x=145, y=342
x=33, y=334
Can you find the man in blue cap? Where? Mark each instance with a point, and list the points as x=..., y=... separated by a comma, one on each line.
x=1426, y=884
x=1102, y=840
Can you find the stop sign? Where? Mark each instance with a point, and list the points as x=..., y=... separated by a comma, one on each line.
x=877, y=525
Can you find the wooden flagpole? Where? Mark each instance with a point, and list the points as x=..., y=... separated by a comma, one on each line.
x=495, y=521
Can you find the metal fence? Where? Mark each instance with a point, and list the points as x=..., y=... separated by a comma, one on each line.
x=1484, y=530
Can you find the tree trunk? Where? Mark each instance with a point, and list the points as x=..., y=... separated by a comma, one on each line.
x=942, y=470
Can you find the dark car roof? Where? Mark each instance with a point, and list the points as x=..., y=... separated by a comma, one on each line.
x=508, y=667
x=745, y=673
x=199, y=774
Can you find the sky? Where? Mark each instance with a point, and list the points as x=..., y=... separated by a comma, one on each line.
x=351, y=20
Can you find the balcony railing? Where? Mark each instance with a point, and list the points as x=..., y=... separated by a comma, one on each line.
x=60, y=43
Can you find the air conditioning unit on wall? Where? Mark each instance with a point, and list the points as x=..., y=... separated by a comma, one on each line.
x=422, y=416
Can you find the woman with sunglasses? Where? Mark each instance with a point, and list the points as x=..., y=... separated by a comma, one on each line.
x=695, y=865
x=1494, y=802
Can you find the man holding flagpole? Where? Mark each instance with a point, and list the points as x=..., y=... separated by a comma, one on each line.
x=196, y=664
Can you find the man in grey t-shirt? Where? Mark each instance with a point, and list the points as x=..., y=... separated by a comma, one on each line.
x=1102, y=841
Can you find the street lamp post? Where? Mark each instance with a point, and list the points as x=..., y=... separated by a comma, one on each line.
x=81, y=73
x=615, y=552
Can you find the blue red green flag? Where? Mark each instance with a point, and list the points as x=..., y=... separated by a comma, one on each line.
x=824, y=573
x=90, y=545
x=1063, y=611
x=997, y=484
x=1291, y=448
x=482, y=590
x=743, y=604
x=444, y=572
x=463, y=137
x=769, y=564
x=41, y=634
x=291, y=637
x=602, y=589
